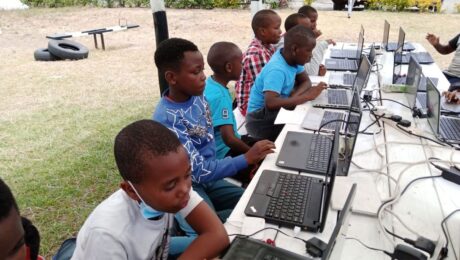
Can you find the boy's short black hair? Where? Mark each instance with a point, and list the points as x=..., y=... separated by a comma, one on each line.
x=261, y=19
x=170, y=53
x=220, y=54
x=7, y=201
x=299, y=35
x=307, y=10
x=293, y=20
x=138, y=142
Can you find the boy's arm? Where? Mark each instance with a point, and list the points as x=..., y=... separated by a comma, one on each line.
x=302, y=84
x=212, y=237
x=235, y=143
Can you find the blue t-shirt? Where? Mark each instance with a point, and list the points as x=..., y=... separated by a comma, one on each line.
x=191, y=122
x=220, y=103
x=276, y=76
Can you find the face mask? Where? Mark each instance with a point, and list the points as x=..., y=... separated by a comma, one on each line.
x=146, y=211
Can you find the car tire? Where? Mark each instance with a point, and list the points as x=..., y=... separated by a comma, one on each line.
x=42, y=54
x=66, y=49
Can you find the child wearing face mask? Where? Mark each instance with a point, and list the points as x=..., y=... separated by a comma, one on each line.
x=134, y=222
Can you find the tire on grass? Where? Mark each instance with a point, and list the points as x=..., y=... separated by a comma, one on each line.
x=66, y=49
x=42, y=54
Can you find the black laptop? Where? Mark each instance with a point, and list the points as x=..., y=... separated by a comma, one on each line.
x=346, y=79
x=445, y=128
x=403, y=58
x=246, y=248
x=289, y=200
x=346, y=64
x=391, y=46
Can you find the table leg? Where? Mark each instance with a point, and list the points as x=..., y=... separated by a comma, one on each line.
x=95, y=41
x=102, y=40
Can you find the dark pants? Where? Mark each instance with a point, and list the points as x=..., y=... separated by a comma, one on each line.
x=260, y=124
x=454, y=82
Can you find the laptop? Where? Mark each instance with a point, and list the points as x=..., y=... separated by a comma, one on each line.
x=246, y=248
x=445, y=128
x=326, y=120
x=290, y=200
x=416, y=98
x=341, y=98
x=346, y=64
x=347, y=79
x=349, y=53
x=403, y=58
x=391, y=46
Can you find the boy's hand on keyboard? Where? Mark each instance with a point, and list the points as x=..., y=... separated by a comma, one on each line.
x=258, y=151
x=315, y=91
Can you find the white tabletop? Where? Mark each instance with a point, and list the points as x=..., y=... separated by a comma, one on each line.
x=421, y=208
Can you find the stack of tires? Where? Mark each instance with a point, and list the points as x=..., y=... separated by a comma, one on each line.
x=61, y=50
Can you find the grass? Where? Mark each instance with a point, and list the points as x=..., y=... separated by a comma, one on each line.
x=58, y=119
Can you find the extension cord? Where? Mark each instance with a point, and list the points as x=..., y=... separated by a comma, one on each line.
x=412, y=129
x=382, y=110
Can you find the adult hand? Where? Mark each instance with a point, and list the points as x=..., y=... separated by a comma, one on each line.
x=322, y=70
x=258, y=151
x=432, y=39
x=451, y=97
x=331, y=41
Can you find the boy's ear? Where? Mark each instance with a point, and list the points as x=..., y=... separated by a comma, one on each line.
x=124, y=185
x=228, y=67
x=170, y=77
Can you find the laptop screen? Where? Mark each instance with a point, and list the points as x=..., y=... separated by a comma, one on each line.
x=401, y=37
x=433, y=98
x=397, y=63
x=360, y=46
x=372, y=55
x=330, y=177
x=414, y=74
x=335, y=244
x=386, y=33
x=363, y=74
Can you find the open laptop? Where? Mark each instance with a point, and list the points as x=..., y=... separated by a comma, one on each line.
x=346, y=64
x=391, y=46
x=341, y=98
x=346, y=79
x=320, y=119
x=445, y=128
x=415, y=97
x=289, y=200
x=403, y=58
x=245, y=248
x=349, y=53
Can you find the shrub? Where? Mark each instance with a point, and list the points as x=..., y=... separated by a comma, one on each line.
x=190, y=3
x=227, y=3
x=307, y=2
x=458, y=8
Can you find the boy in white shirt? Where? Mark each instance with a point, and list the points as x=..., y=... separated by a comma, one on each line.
x=134, y=222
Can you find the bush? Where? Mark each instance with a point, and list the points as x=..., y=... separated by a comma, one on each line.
x=208, y=4
x=458, y=8
x=307, y=2
x=227, y=3
x=400, y=5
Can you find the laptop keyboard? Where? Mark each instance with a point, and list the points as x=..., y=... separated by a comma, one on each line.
x=337, y=97
x=330, y=116
x=349, y=78
x=423, y=57
x=289, y=200
x=450, y=128
x=320, y=150
x=421, y=97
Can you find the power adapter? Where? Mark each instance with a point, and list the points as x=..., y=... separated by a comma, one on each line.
x=315, y=247
x=451, y=174
x=403, y=252
x=367, y=96
x=396, y=118
x=404, y=123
